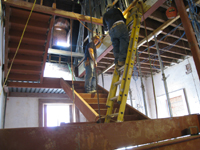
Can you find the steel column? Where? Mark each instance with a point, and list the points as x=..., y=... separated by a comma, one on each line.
x=142, y=86
x=163, y=78
x=189, y=34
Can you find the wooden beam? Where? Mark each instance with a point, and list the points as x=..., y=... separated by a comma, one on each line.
x=162, y=27
x=153, y=51
x=89, y=113
x=169, y=40
x=39, y=95
x=47, y=83
x=46, y=47
x=99, y=136
x=52, y=11
x=161, y=17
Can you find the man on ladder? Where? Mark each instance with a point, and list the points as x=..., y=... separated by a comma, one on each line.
x=114, y=20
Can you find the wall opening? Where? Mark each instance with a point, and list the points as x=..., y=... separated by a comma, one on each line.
x=55, y=114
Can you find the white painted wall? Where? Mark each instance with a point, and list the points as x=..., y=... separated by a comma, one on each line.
x=21, y=112
x=2, y=48
x=177, y=79
x=135, y=86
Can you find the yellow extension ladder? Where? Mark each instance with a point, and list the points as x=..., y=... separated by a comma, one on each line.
x=133, y=16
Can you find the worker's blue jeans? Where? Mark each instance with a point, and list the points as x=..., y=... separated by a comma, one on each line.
x=90, y=79
x=120, y=39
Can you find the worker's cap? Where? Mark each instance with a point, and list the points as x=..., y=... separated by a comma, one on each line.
x=95, y=37
x=109, y=6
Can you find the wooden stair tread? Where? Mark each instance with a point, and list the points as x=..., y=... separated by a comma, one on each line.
x=91, y=110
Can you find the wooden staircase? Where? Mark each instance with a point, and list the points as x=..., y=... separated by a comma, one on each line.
x=87, y=103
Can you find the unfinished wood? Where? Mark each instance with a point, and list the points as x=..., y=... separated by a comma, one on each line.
x=95, y=101
x=153, y=52
x=93, y=95
x=82, y=105
x=95, y=106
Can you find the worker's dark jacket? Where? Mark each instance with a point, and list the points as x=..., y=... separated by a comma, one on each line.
x=87, y=53
x=111, y=16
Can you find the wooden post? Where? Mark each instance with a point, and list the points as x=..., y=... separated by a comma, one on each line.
x=189, y=34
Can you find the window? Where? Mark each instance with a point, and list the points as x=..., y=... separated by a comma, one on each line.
x=54, y=111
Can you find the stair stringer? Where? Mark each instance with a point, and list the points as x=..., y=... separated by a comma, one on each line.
x=89, y=113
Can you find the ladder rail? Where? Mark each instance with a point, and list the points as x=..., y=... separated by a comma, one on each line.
x=112, y=93
x=120, y=117
x=131, y=43
x=134, y=15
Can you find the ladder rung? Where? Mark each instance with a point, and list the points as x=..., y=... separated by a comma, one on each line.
x=114, y=98
x=113, y=115
x=121, y=68
x=118, y=82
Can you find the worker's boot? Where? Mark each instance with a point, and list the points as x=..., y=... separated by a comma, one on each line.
x=93, y=91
